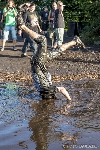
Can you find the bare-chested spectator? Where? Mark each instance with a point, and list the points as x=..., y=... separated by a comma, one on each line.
x=41, y=76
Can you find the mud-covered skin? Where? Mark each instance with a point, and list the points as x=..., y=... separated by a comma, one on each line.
x=41, y=54
x=41, y=80
x=41, y=77
x=40, y=74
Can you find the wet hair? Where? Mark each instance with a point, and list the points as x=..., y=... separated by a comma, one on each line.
x=32, y=4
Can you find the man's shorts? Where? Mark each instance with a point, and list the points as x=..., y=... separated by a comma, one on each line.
x=8, y=28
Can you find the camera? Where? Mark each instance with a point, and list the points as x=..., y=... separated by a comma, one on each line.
x=11, y=8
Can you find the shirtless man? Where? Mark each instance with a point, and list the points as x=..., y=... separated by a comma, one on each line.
x=41, y=76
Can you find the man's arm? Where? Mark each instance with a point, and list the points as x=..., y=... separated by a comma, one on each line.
x=15, y=11
x=5, y=12
x=25, y=17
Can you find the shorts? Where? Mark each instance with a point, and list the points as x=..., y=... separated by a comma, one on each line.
x=59, y=34
x=8, y=28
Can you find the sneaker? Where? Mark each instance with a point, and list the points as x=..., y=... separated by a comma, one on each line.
x=79, y=43
x=23, y=55
x=2, y=49
x=14, y=48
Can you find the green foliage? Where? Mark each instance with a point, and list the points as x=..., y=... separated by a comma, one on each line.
x=87, y=12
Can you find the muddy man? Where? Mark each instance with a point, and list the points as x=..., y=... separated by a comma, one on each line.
x=41, y=76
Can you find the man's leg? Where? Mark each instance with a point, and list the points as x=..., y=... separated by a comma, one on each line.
x=42, y=81
x=42, y=73
x=33, y=45
x=24, y=48
x=76, y=41
x=14, y=36
x=31, y=33
x=58, y=51
x=60, y=36
x=34, y=35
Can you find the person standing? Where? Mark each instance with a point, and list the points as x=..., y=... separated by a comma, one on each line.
x=1, y=22
x=59, y=23
x=9, y=14
x=30, y=18
x=44, y=19
x=51, y=18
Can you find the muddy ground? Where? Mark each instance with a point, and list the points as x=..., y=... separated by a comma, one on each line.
x=73, y=64
x=27, y=122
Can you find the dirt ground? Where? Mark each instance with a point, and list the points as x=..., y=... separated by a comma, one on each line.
x=27, y=122
x=73, y=64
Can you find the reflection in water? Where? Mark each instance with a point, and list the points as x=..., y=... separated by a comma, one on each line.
x=47, y=125
x=40, y=123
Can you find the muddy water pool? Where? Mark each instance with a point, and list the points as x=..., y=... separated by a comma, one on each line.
x=30, y=123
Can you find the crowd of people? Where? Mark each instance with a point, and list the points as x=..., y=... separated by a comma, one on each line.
x=52, y=20
x=34, y=37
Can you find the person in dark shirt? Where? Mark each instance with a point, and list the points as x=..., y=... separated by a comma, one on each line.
x=1, y=13
x=51, y=19
x=44, y=19
x=1, y=21
x=30, y=18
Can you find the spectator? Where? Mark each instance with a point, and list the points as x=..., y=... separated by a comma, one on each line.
x=59, y=23
x=31, y=21
x=51, y=24
x=44, y=19
x=1, y=22
x=9, y=14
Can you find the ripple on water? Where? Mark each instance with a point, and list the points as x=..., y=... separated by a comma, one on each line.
x=12, y=105
x=50, y=121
